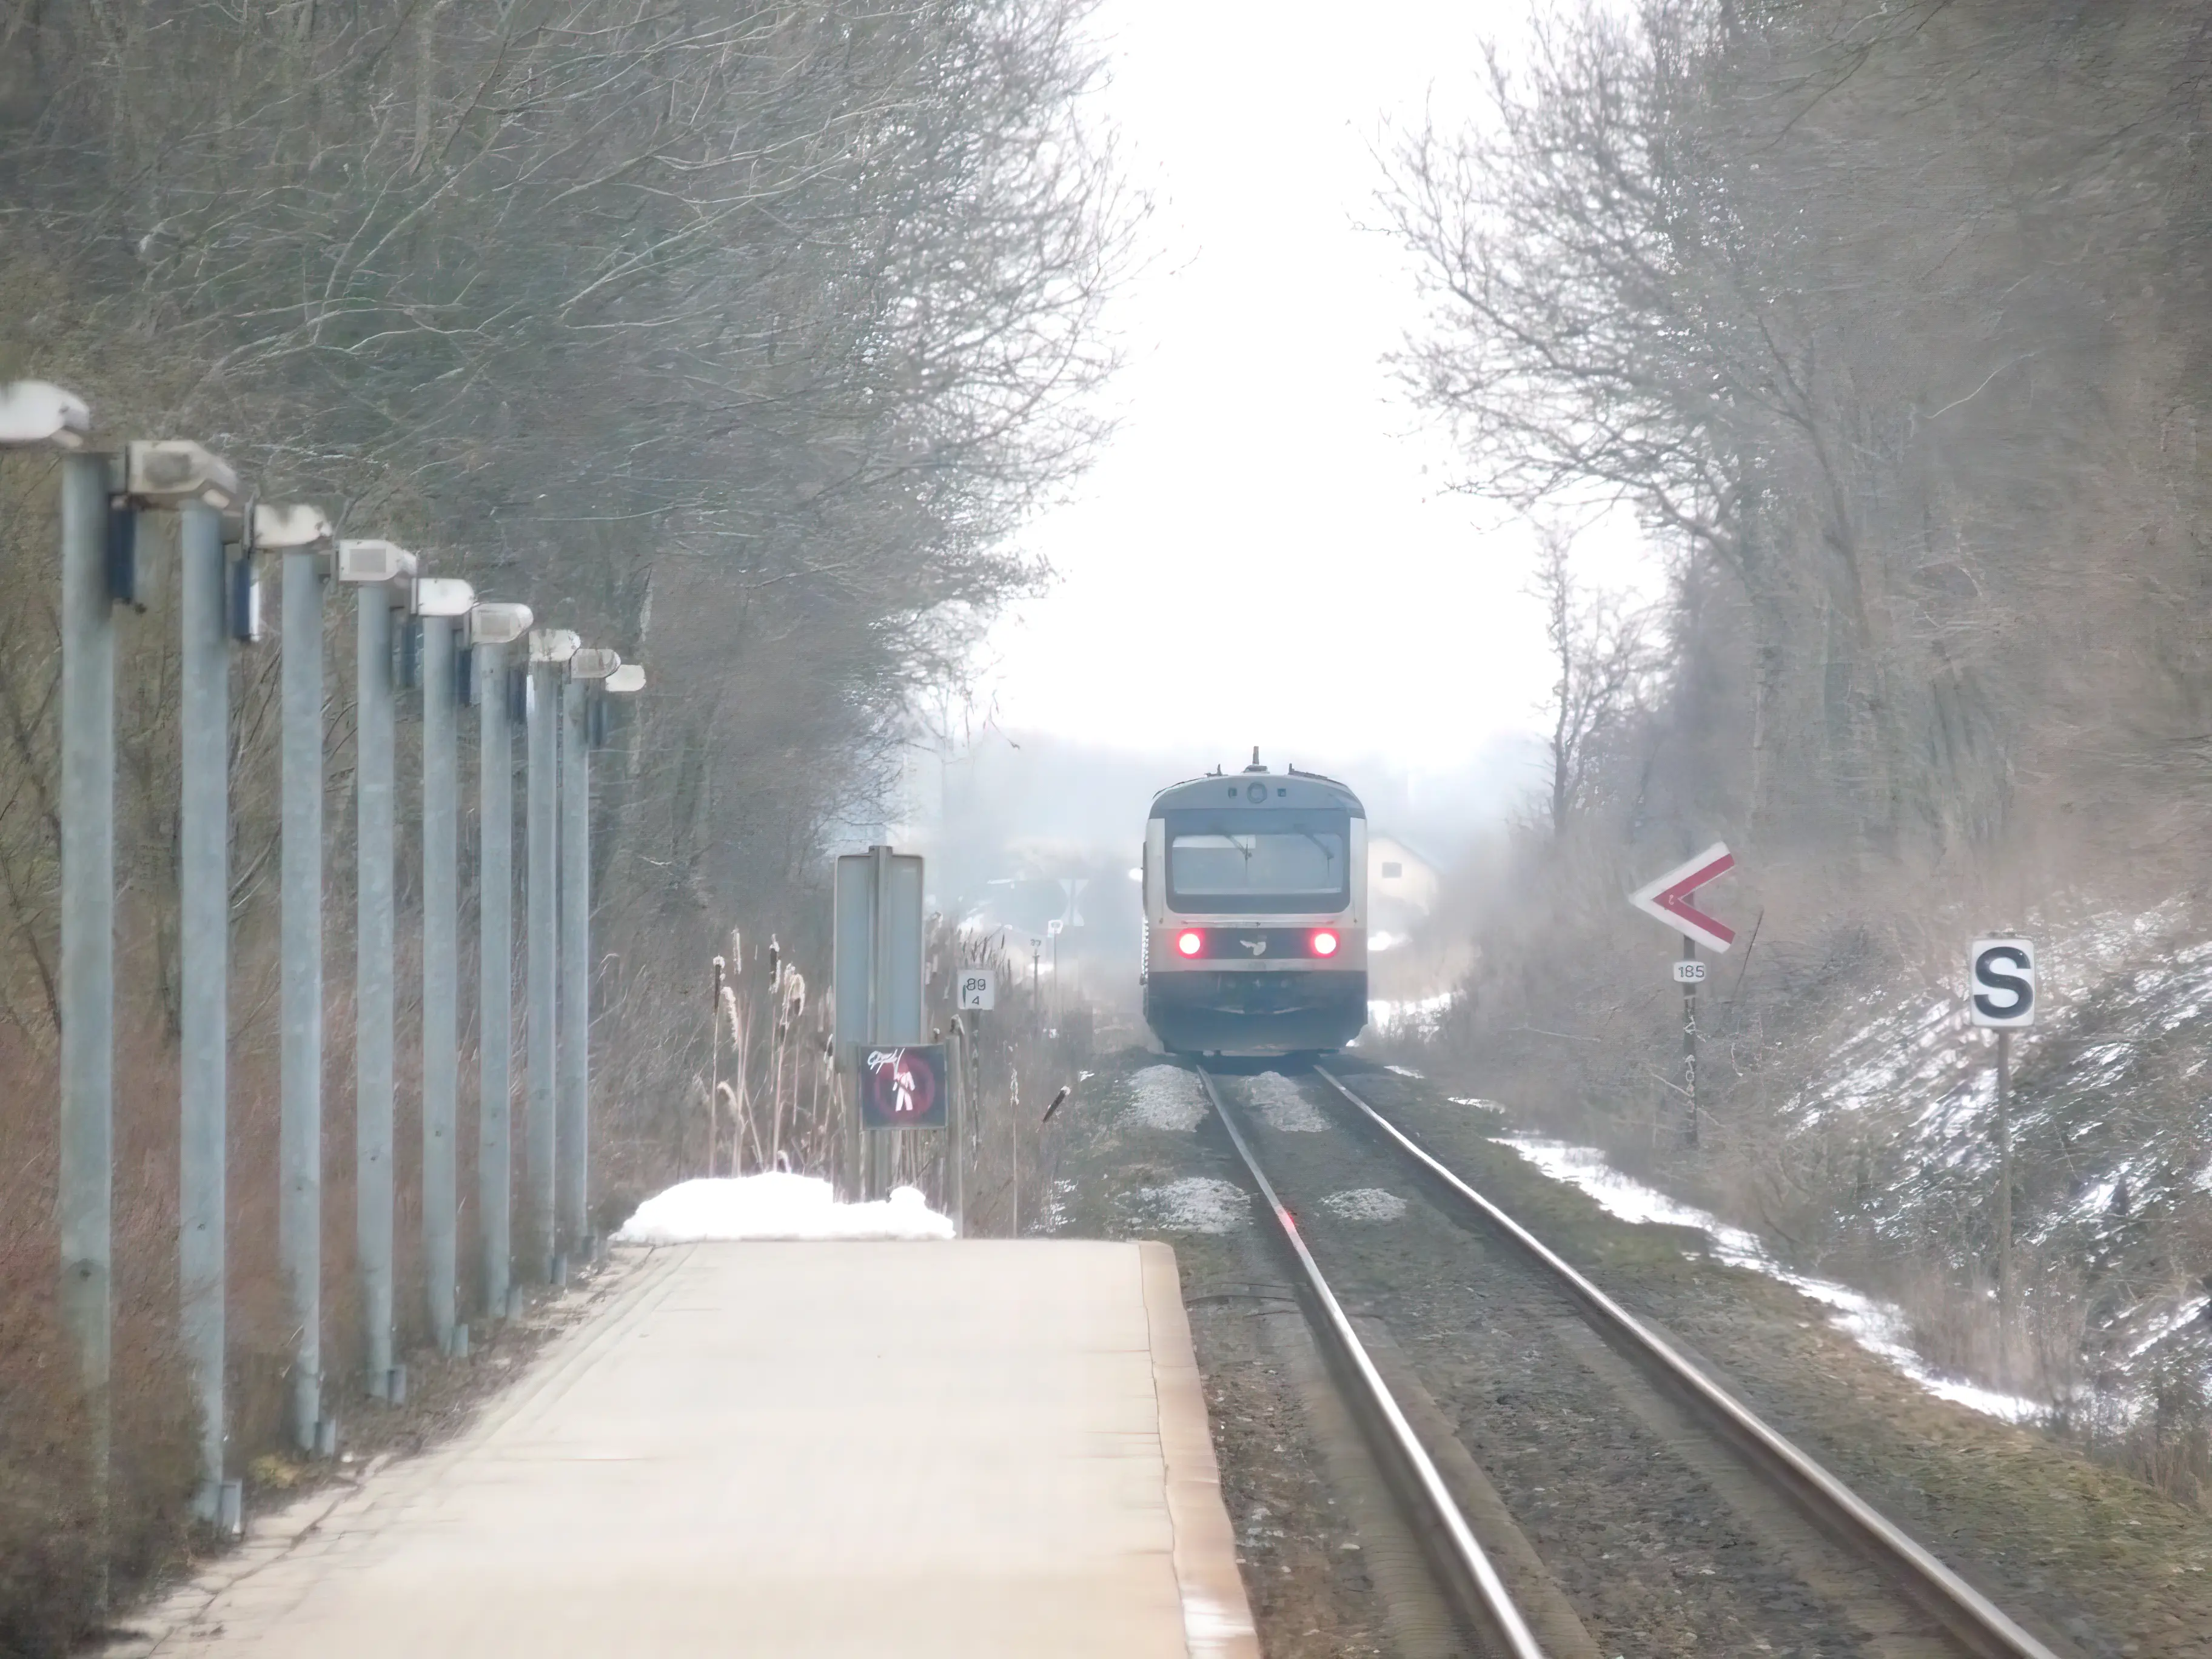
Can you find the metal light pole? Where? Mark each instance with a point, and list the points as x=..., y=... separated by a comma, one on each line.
x=379, y=569
x=573, y=1133
x=300, y=1066
x=99, y=569
x=441, y=603
x=203, y=944
x=588, y=669
x=204, y=960
x=88, y=981
x=492, y=628
x=549, y=648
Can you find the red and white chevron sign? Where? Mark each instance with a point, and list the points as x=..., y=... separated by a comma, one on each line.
x=1668, y=899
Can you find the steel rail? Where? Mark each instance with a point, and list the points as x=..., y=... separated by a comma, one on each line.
x=1478, y=1581
x=1970, y=1616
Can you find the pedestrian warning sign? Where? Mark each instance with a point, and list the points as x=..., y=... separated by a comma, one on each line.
x=903, y=1088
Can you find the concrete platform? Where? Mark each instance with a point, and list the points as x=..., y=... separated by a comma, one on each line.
x=829, y=1450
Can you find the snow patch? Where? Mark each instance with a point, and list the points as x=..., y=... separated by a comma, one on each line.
x=1413, y=1015
x=1283, y=1106
x=2179, y=1319
x=1364, y=1204
x=775, y=1206
x=1196, y=1204
x=1164, y=1097
x=1877, y=1327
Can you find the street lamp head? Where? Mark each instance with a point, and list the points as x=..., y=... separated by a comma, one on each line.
x=365, y=563
x=496, y=623
x=553, y=644
x=40, y=412
x=175, y=471
x=593, y=662
x=626, y=680
x=271, y=526
x=443, y=596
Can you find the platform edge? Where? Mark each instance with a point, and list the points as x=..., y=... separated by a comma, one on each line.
x=1217, y=1616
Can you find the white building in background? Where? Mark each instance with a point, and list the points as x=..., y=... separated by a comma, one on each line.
x=1401, y=888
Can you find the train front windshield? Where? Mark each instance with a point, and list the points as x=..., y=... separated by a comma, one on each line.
x=1252, y=861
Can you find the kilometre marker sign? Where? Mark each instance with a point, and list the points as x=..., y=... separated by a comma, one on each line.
x=1668, y=899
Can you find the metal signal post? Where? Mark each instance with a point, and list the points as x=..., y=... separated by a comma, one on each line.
x=2001, y=995
x=1668, y=900
x=1689, y=971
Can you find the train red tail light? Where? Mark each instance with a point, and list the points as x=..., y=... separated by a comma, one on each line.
x=1189, y=942
x=1324, y=942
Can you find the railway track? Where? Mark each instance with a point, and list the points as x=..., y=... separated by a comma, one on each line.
x=1954, y=1616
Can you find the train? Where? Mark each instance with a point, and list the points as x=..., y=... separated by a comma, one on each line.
x=1255, y=913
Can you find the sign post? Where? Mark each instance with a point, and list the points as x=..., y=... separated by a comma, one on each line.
x=2001, y=995
x=975, y=990
x=878, y=976
x=1668, y=900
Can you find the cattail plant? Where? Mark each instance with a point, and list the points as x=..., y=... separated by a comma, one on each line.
x=714, y=1061
x=790, y=1002
x=742, y=1096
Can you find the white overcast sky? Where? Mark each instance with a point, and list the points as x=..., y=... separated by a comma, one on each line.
x=1265, y=552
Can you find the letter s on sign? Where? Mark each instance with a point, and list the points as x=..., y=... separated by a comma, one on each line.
x=2001, y=983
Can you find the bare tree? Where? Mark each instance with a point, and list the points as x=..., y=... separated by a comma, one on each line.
x=742, y=336
x=1604, y=659
x=1889, y=322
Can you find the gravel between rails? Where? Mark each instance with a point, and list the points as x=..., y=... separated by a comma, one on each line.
x=1660, y=1553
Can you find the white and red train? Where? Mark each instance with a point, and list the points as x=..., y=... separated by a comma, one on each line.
x=1255, y=913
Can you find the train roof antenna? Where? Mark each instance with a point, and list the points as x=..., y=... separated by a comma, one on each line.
x=1255, y=766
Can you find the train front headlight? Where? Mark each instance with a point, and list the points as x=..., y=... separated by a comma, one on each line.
x=1324, y=942
x=1189, y=942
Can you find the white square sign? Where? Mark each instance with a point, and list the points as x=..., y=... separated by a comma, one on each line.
x=2001, y=983
x=978, y=988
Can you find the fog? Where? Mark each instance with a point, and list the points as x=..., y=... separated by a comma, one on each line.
x=1009, y=820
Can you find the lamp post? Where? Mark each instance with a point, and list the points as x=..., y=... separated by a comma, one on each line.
x=549, y=650
x=491, y=630
x=442, y=604
x=207, y=628
x=588, y=666
x=202, y=489
x=299, y=998
x=36, y=414
x=381, y=572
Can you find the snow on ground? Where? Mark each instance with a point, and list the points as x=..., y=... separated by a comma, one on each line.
x=1164, y=1097
x=1395, y=1018
x=1876, y=1325
x=775, y=1206
x=1283, y=1106
x=1364, y=1204
x=1196, y=1204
